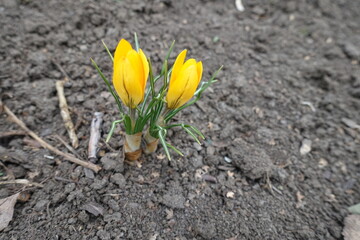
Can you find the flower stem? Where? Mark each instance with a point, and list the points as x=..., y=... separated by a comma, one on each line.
x=132, y=112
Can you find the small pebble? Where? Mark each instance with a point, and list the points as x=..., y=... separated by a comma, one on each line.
x=228, y=160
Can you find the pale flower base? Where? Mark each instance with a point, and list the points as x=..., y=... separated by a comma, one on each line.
x=151, y=143
x=132, y=145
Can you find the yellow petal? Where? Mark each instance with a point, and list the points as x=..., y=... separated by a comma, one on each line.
x=191, y=85
x=183, y=89
x=177, y=65
x=134, y=75
x=199, y=70
x=146, y=67
x=189, y=62
x=121, y=51
x=183, y=67
x=118, y=81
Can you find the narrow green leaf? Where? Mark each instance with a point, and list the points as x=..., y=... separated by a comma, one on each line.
x=165, y=73
x=127, y=124
x=162, y=134
x=197, y=131
x=107, y=50
x=113, y=125
x=152, y=82
x=191, y=134
x=173, y=125
x=170, y=50
x=140, y=124
x=212, y=80
x=157, y=78
x=136, y=42
x=117, y=99
x=175, y=149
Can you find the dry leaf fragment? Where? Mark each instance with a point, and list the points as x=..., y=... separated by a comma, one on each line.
x=230, y=194
x=161, y=156
x=7, y=210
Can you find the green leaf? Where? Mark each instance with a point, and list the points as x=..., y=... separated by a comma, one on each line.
x=175, y=149
x=127, y=124
x=197, y=131
x=116, y=97
x=140, y=124
x=191, y=134
x=170, y=50
x=136, y=42
x=152, y=82
x=113, y=125
x=108, y=51
x=162, y=134
x=355, y=209
x=205, y=85
x=164, y=72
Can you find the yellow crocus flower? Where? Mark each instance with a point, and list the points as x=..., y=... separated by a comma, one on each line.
x=184, y=80
x=131, y=70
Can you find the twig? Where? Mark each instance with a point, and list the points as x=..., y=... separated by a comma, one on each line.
x=44, y=144
x=9, y=174
x=71, y=149
x=11, y=133
x=94, y=135
x=65, y=114
x=22, y=181
x=66, y=76
x=108, y=146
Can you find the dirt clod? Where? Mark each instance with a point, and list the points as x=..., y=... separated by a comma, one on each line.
x=251, y=160
x=173, y=200
x=118, y=179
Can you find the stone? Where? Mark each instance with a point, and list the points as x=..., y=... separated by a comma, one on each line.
x=118, y=179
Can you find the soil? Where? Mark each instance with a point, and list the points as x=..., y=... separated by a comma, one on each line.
x=291, y=82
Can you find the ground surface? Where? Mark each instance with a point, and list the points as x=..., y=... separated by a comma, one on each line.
x=248, y=180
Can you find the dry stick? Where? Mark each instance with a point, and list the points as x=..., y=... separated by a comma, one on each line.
x=66, y=76
x=12, y=133
x=65, y=114
x=9, y=174
x=44, y=144
x=71, y=149
x=22, y=181
x=94, y=135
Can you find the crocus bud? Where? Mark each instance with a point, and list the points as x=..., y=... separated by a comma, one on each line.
x=184, y=80
x=131, y=70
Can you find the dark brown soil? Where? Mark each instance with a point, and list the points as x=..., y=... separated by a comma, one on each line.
x=248, y=180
